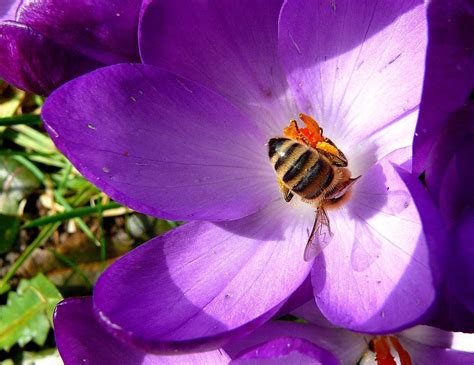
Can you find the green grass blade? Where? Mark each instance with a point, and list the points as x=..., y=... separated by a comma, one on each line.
x=64, y=178
x=76, y=212
x=30, y=139
x=37, y=136
x=27, y=119
x=31, y=167
x=50, y=161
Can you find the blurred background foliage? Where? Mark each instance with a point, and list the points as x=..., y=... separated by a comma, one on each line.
x=57, y=231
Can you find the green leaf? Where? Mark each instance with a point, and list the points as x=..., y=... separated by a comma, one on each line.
x=28, y=314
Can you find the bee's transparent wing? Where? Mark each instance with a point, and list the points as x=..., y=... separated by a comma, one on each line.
x=320, y=235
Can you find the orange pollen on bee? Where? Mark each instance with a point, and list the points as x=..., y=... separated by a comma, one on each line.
x=382, y=346
x=311, y=135
x=327, y=147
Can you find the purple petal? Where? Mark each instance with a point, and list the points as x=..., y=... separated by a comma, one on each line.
x=429, y=336
x=26, y=57
x=455, y=193
x=229, y=46
x=455, y=307
x=344, y=345
x=355, y=66
x=445, y=174
x=286, y=350
x=8, y=9
x=422, y=354
x=376, y=275
x=105, y=31
x=45, y=43
x=462, y=268
x=448, y=177
x=449, y=78
x=162, y=145
x=373, y=148
x=202, y=283
x=450, y=313
x=80, y=339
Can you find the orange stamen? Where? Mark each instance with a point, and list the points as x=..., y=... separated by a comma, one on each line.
x=405, y=358
x=382, y=351
x=381, y=347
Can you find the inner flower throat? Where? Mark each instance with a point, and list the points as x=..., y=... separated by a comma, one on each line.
x=387, y=350
x=311, y=166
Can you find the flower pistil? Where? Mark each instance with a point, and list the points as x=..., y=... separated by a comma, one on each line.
x=386, y=350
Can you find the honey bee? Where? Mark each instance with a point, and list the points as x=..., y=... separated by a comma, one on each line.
x=311, y=166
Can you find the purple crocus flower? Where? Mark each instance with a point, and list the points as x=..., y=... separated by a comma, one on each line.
x=419, y=345
x=81, y=339
x=184, y=138
x=443, y=150
x=44, y=43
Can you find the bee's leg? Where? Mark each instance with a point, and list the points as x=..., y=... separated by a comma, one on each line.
x=341, y=155
x=287, y=194
x=332, y=153
x=342, y=188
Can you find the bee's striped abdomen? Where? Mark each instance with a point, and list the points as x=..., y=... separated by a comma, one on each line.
x=302, y=169
x=318, y=178
x=283, y=152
